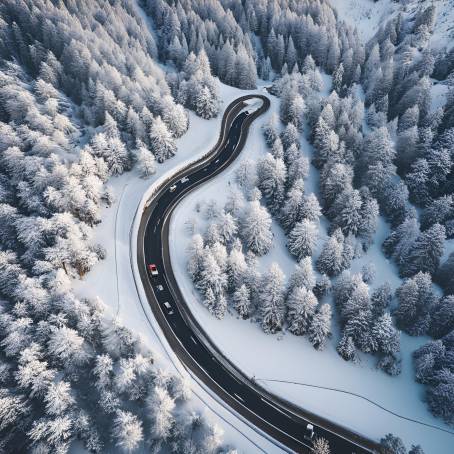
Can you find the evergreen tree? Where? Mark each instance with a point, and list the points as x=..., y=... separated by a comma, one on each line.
x=272, y=300
x=346, y=348
x=291, y=211
x=442, y=317
x=161, y=141
x=145, y=161
x=416, y=300
x=242, y=301
x=301, y=305
x=302, y=239
x=330, y=261
x=303, y=275
x=392, y=445
x=445, y=273
x=320, y=328
x=271, y=176
x=127, y=431
x=426, y=252
x=256, y=229
x=385, y=336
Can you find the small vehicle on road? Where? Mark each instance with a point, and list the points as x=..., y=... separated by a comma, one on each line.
x=173, y=187
x=153, y=269
x=168, y=307
x=160, y=287
x=309, y=432
x=184, y=180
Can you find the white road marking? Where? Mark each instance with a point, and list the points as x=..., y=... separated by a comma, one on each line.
x=238, y=397
x=274, y=406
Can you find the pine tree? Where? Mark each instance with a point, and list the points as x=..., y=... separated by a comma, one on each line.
x=291, y=211
x=298, y=170
x=220, y=307
x=242, y=301
x=211, y=275
x=270, y=129
x=290, y=136
x=381, y=298
x=346, y=348
x=290, y=55
x=334, y=178
x=271, y=176
x=297, y=109
x=301, y=305
x=311, y=209
x=160, y=406
x=161, y=141
x=127, y=431
x=302, y=239
x=416, y=300
x=326, y=142
x=321, y=446
x=58, y=398
x=209, y=300
x=145, y=161
x=322, y=286
x=272, y=300
x=392, y=445
x=358, y=328
x=330, y=261
x=195, y=252
x=227, y=227
x=442, y=317
x=445, y=273
x=346, y=211
x=426, y=252
x=237, y=267
x=338, y=78
x=385, y=335
x=320, y=328
x=256, y=229
x=303, y=276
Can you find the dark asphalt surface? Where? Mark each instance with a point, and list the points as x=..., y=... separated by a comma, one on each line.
x=280, y=419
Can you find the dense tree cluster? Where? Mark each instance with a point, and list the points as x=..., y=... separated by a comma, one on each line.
x=225, y=275
x=102, y=57
x=366, y=321
x=243, y=39
x=81, y=99
x=391, y=444
x=68, y=373
x=434, y=367
x=397, y=81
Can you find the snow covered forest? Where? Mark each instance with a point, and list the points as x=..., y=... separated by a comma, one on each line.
x=83, y=98
x=91, y=89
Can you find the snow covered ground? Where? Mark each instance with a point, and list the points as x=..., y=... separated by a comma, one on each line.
x=368, y=15
x=112, y=279
x=293, y=359
x=365, y=15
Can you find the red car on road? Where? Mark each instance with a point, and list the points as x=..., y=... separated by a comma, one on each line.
x=153, y=269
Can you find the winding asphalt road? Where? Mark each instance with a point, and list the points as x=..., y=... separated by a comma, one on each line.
x=276, y=417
